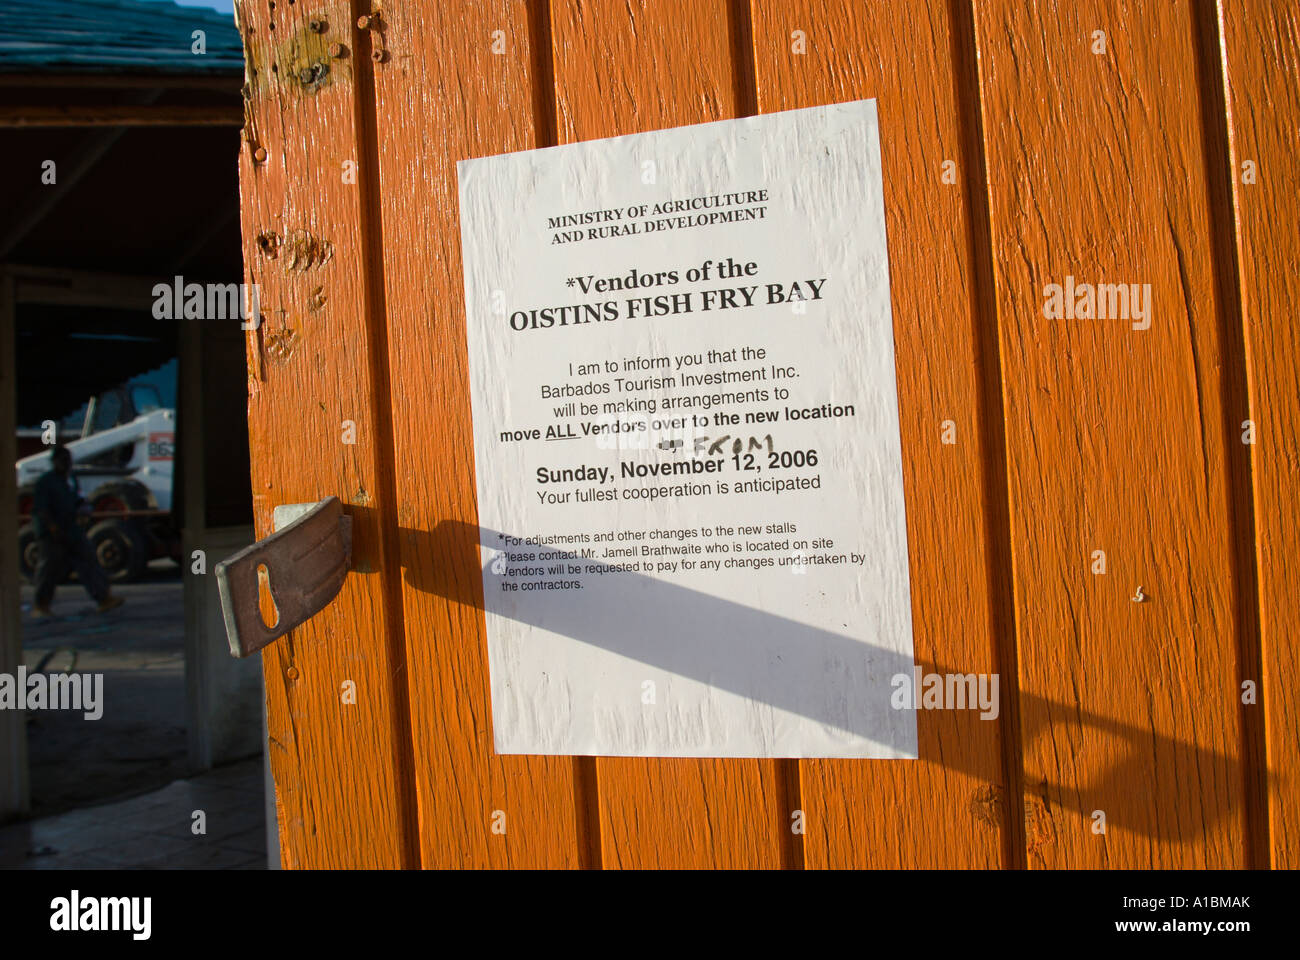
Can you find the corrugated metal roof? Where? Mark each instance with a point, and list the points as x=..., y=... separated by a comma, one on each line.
x=114, y=36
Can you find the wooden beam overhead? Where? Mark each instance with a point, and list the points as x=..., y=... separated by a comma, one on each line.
x=121, y=115
x=89, y=152
x=61, y=286
x=230, y=82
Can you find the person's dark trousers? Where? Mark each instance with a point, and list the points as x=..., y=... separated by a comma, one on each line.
x=58, y=556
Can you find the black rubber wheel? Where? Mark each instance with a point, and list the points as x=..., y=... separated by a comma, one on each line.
x=120, y=496
x=28, y=552
x=119, y=550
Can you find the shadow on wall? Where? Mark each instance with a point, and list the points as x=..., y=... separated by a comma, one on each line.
x=688, y=622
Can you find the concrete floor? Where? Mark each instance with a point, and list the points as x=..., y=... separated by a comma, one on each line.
x=112, y=792
x=139, y=744
x=154, y=830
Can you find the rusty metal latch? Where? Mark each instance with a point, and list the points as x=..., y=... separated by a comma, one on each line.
x=306, y=560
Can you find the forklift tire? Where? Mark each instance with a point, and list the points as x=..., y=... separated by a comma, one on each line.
x=119, y=549
x=121, y=495
x=27, y=552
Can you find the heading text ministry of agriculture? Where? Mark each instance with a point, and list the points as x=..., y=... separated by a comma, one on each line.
x=639, y=219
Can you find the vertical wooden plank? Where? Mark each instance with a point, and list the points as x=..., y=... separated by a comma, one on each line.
x=1117, y=436
x=14, y=788
x=457, y=81
x=1261, y=63
x=626, y=68
x=952, y=808
x=342, y=770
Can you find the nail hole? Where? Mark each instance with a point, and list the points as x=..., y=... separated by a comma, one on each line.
x=269, y=243
x=265, y=600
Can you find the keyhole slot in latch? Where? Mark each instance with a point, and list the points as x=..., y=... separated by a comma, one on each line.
x=266, y=599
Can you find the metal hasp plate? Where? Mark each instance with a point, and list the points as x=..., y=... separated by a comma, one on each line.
x=306, y=560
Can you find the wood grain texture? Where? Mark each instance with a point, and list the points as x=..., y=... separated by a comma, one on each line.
x=1072, y=435
x=952, y=808
x=342, y=772
x=458, y=83
x=1261, y=63
x=627, y=68
x=1116, y=436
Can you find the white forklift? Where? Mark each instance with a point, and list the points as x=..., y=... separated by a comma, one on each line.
x=122, y=460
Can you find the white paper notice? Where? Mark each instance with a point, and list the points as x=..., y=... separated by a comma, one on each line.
x=686, y=436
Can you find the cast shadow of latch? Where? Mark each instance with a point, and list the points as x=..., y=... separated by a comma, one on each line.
x=685, y=642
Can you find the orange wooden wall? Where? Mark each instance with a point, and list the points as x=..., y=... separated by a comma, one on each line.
x=1073, y=436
